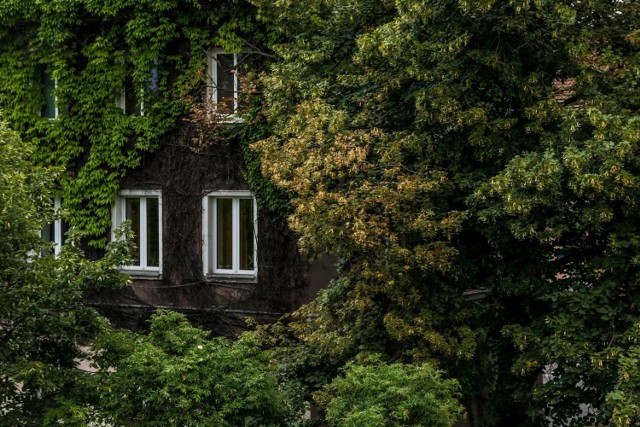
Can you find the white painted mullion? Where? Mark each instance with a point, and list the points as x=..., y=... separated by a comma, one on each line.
x=235, y=83
x=254, y=208
x=141, y=102
x=160, y=236
x=123, y=211
x=55, y=98
x=205, y=235
x=57, y=227
x=143, y=232
x=214, y=233
x=214, y=76
x=57, y=236
x=235, y=234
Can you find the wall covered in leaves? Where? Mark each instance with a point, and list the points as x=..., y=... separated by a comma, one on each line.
x=83, y=54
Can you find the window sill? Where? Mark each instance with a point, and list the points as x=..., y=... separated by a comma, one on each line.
x=228, y=119
x=141, y=274
x=232, y=278
x=232, y=119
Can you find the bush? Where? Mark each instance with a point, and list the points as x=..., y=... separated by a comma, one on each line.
x=380, y=394
x=176, y=376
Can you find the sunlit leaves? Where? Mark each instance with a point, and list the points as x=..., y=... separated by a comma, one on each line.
x=177, y=376
x=93, y=49
x=378, y=394
x=42, y=315
x=449, y=147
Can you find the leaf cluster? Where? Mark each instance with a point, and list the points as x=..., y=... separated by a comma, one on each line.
x=43, y=319
x=178, y=376
x=152, y=51
x=375, y=393
x=449, y=148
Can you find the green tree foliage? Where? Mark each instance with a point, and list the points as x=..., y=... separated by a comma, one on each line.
x=177, y=376
x=42, y=318
x=93, y=50
x=442, y=146
x=376, y=394
x=624, y=398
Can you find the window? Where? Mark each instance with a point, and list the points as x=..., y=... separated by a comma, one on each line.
x=56, y=231
x=222, y=72
x=49, y=109
x=143, y=208
x=129, y=100
x=229, y=233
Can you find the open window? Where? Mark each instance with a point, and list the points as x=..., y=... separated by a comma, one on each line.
x=143, y=209
x=230, y=234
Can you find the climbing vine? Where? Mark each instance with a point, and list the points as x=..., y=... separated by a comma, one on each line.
x=149, y=53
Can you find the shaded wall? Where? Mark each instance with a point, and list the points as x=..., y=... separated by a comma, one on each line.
x=185, y=175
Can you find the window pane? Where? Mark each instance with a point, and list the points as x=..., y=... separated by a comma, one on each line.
x=154, y=78
x=48, y=235
x=65, y=227
x=153, y=231
x=131, y=101
x=225, y=88
x=224, y=234
x=132, y=207
x=246, y=234
x=49, y=107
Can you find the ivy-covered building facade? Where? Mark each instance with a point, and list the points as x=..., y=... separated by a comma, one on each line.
x=150, y=108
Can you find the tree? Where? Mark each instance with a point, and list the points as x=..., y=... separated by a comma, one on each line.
x=177, y=376
x=441, y=147
x=43, y=319
x=380, y=394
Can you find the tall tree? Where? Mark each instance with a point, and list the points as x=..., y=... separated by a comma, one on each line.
x=443, y=149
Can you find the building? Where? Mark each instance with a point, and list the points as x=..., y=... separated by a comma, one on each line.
x=145, y=109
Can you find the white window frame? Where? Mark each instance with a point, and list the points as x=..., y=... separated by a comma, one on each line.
x=121, y=102
x=212, y=76
x=118, y=216
x=121, y=99
x=57, y=224
x=209, y=237
x=56, y=239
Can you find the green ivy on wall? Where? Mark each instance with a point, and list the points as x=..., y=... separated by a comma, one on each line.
x=91, y=50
